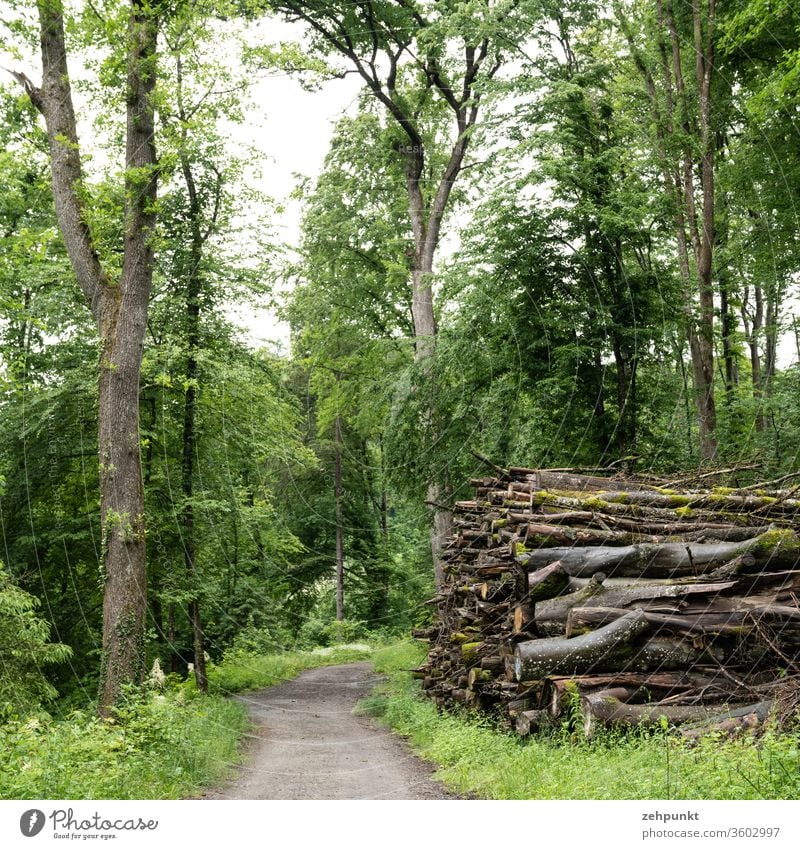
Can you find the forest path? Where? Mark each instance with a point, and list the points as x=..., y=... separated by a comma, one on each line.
x=306, y=744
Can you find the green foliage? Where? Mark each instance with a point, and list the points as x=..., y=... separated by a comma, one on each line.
x=156, y=747
x=474, y=758
x=25, y=651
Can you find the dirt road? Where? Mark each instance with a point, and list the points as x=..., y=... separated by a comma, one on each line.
x=307, y=744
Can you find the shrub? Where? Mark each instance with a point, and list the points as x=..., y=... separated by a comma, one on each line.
x=156, y=747
x=25, y=648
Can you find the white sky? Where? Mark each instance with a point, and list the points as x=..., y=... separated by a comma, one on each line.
x=293, y=128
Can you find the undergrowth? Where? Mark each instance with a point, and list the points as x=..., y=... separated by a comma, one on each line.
x=164, y=745
x=475, y=758
x=156, y=747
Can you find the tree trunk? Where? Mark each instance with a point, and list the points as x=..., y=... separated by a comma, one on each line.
x=666, y=560
x=604, y=709
x=339, y=521
x=193, y=286
x=123, y=321
x=557, y=656
x=120, y=310
x=174, y=657
x=678, y=169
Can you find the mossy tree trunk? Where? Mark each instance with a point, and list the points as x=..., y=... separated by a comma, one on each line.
x=119, y=308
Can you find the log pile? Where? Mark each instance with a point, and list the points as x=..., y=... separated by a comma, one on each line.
x=642, y=604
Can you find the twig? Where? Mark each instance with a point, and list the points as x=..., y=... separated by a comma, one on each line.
x=499, y=469
x=714, y=473
x=768, y=484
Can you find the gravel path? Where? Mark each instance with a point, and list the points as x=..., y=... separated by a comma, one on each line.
x=306, y=744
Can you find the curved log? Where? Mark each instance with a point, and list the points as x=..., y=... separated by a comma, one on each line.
x=556, y=656
x=734, y=622
x=654, y=655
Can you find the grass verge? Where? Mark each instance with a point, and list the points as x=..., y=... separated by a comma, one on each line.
x=474, y=758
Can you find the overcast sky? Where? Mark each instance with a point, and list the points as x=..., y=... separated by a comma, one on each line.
x=293, y=129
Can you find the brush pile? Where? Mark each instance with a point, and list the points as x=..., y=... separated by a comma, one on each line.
x=646, y=604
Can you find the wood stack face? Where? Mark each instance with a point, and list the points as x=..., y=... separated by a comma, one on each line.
x=645, y=603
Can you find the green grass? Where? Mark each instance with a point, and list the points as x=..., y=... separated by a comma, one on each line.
x=476, y=759
x=159, y=746
x=242, y=671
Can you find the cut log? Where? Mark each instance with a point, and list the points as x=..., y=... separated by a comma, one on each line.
x=529, y=721
x=547, y=582
x=538, y=658
x=603, y=709
x=667, y=560
x=523, y=614
x=735, y=622
x=550, y=616
x=494, y=663
x=748, y=717
x=478, y=676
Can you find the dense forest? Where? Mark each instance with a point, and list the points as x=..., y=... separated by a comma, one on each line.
x=548, y=234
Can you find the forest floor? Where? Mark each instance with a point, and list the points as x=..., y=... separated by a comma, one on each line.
x=306, y=743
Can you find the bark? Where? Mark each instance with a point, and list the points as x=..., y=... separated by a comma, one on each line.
x=604, y=709
x=556, y=656
x=193, y=292
x=120, y=310
x=339, y=520
x=667, y=560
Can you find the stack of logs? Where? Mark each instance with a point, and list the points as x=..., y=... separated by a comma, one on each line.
x=640, y=603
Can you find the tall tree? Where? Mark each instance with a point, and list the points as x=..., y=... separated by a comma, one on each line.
x=417, y=59
x=119, y=308
x=676, y=63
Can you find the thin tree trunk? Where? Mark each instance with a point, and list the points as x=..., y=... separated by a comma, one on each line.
x=426, y=230
x=678, y=174
x=174, y=657
x=384, y=501
x=753, y=325
x=189, y=447
x=339, y=521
